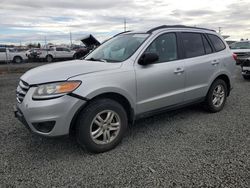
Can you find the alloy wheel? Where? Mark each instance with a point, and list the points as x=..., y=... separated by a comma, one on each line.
x=105, y=127
x=218, y=96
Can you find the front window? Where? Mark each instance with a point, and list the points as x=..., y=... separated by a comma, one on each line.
x=118, y=49
x=240, y=45
x=165, y=46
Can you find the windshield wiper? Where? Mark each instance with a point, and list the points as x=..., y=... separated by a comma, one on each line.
x=94, y=59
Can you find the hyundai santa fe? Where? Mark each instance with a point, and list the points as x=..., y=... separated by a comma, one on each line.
x=130, y=76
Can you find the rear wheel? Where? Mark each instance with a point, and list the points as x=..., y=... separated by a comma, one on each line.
x=17, y=59
x=49, y=58
x=216, y=97
x=101, y=125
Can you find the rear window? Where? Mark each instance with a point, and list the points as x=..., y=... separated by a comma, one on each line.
x=193, y=44
x=217, y=42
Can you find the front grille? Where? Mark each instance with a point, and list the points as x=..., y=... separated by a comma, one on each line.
x=21, y=91
x=246, y=63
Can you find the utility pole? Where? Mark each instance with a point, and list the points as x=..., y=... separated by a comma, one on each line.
x=45, y=41
x=220, y=31
x=125, y=24
x=70, y=38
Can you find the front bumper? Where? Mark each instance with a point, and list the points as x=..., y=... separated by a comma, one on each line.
x=58, y=112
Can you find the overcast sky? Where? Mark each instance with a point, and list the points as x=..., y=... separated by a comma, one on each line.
x=31, y=20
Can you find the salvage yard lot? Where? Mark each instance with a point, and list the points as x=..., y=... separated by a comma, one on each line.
x=183, y=148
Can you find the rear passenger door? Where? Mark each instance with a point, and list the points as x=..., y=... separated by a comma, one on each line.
x=59, y=53
x=67, y=53
x=200, y=64
x=3, y=55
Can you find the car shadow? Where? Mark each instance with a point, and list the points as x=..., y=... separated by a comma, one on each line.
x=67, y=145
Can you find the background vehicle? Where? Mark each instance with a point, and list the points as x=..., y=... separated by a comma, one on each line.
x=132, y=75
x=33, y=54
x=12, y=55
x=242, y=50
x=57, y=53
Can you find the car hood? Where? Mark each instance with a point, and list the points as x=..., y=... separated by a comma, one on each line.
x=65, y=70
x=90, y=40
x=240, y=50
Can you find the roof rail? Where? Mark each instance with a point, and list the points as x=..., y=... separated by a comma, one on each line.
x=176, y=26
x=121, y=33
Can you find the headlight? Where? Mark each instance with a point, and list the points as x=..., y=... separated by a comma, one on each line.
x=53, y=90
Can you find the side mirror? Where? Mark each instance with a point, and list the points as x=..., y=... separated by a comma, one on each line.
x=148, y=58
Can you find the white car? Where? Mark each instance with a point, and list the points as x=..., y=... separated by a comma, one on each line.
x=242, y=50
x=12, y=55
x=57, y=53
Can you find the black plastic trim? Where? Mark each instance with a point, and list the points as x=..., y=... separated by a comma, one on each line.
x=177, y=26
x=78, y=96
x=169, y=108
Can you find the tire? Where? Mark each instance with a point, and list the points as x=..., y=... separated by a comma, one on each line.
x=49, y=58
x=75, y=56
x=91, y=130
x=246, y=77
x=17, y=59
x=210, y=103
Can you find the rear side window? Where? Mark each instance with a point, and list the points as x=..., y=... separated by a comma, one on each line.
x=208, y=48
x=66, y=49
x=217, y=42
x=2, y=49
x=193, y=44
x=59, y=49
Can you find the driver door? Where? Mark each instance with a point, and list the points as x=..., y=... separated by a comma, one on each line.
x=161, y=84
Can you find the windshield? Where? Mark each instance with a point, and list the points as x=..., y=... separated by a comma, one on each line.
x=240, y=45
x=118, y=49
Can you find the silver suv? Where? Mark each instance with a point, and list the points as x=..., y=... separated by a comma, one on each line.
x=130, y=76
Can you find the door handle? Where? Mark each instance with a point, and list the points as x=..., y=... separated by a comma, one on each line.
x=215, y=62
x=179, y=71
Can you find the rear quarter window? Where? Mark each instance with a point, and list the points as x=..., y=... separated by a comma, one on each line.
x=217, y=42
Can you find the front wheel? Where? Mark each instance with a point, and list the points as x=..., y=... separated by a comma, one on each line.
x=17, y=59
x=101, y=125
x=216, y=97
x=49, y=58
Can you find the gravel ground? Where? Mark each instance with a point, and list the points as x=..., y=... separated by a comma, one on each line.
x=184, y=148
x=18, y=68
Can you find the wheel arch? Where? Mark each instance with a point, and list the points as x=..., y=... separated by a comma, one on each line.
x=226, y=79
x=49, y=55
x=121, y=99
x=16, y=57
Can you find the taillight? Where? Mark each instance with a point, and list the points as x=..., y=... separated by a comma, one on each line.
x=235, y=56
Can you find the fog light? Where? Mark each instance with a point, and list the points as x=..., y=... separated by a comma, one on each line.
x=44, y=127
